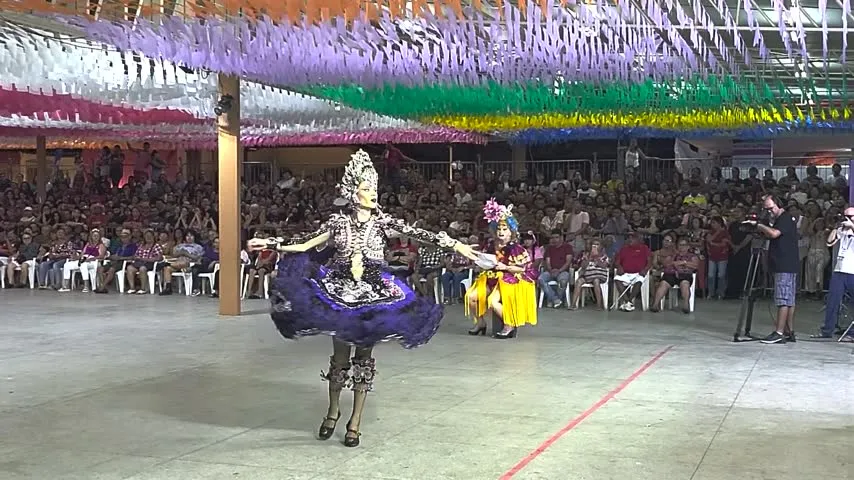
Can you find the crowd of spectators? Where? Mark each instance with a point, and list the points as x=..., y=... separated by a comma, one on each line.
x=686, y=230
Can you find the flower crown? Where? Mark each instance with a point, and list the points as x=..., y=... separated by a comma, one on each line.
x=359, y=169
x=496, y=214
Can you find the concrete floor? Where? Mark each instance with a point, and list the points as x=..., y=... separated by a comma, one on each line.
x=110, y=387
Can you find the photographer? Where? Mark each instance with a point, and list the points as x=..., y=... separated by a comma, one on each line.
x=783, y=260
x=842, y=281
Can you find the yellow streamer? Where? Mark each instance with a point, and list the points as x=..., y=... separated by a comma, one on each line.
x=724, y=118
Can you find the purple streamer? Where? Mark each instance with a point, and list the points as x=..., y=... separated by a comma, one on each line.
x=333, y=52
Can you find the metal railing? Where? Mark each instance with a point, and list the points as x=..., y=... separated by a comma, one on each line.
x=824, y=172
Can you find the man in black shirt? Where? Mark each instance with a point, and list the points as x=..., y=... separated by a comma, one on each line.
x=784, y=263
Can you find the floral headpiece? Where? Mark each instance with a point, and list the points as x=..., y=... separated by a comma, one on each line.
x=497, y=214
x=360, y=169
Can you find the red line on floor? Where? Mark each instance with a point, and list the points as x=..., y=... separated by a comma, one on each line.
x=590, y=411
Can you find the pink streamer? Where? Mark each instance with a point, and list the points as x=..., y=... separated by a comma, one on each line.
x=59, y=107
x=208, y=140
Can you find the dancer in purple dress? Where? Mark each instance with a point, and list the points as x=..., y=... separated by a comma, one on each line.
x=353, y=298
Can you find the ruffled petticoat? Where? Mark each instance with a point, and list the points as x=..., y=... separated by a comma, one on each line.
x=310, y=299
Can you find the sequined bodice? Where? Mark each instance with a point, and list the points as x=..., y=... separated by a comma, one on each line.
x=360, y=246
x=350, y=237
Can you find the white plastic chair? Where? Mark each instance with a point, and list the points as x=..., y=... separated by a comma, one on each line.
x=674, y=296
x=74, y=268
x=210, y=278
x=245, y=286
x=439, y=292
x=186, y=277
x=152, y=277
x=3, y=262
x=644, y=294
x=93, y=280
x=31, y=274
x=566, y=294
x=603, y=286
x=120, y=277
x=437, y=289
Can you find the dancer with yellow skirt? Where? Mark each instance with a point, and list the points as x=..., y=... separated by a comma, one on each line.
x=507, y=286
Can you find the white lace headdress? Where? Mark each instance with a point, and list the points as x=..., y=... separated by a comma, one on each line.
x=359, y=169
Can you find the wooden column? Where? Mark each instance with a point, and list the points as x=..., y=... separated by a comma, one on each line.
x=518, y=161
x=42, y=171
x=229, y=156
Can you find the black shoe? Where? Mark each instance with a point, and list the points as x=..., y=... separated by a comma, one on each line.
x=774, y=337
x=478, y=331
x=351, y=438
x=791, y=338
x=504, y=336
x=254, y=297
x=167, y=291
x=324, y=433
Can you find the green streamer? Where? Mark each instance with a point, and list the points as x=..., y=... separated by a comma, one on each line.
x=690, y=94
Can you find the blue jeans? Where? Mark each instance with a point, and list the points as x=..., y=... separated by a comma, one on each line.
x=840, y=284
x=50, y=273
x=451, y=283
x=562, y=280
x=717, y=270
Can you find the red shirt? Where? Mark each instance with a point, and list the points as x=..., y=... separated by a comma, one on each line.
x=557, y=255
x=97, y=220
x=633, y=258
x=409, y=248
x=718, y=253
x=393, y=158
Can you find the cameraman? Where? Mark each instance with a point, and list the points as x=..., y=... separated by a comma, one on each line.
x=784, y=261
x=842, y=281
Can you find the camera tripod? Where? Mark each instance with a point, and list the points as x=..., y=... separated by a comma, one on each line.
x=748, y=299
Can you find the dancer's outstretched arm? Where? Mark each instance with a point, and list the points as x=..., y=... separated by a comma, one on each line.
x=297, y=244
x=441, y=239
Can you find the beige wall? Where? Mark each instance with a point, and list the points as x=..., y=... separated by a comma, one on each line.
x=302, y=160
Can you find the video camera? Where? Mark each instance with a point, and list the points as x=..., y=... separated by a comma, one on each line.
x=763, y=217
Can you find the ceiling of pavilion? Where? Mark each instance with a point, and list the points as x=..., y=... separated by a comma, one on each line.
x=84, y=93
x=535, y=72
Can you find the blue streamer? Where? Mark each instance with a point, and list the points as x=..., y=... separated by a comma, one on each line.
x=758, y=132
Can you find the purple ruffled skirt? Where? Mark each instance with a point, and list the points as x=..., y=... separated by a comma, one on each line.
x=301, y=307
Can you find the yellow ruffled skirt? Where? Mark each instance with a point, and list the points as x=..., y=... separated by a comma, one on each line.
x=518, y=300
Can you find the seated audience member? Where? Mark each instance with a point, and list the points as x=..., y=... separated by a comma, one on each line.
x=457, y=269
x=24, y=257
x=593, y=269
x=577, y=224
x=668, y=249
x=207, y=264
x=147, y=255
x=262, y=263
x=428, y=267
x=535, y=251
x=401, y=257
x=86, y=262
x=51, y=265
x=632, y=264
x=184, y=254
x=124, y=252
x=678, y=270
x=557, y=268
